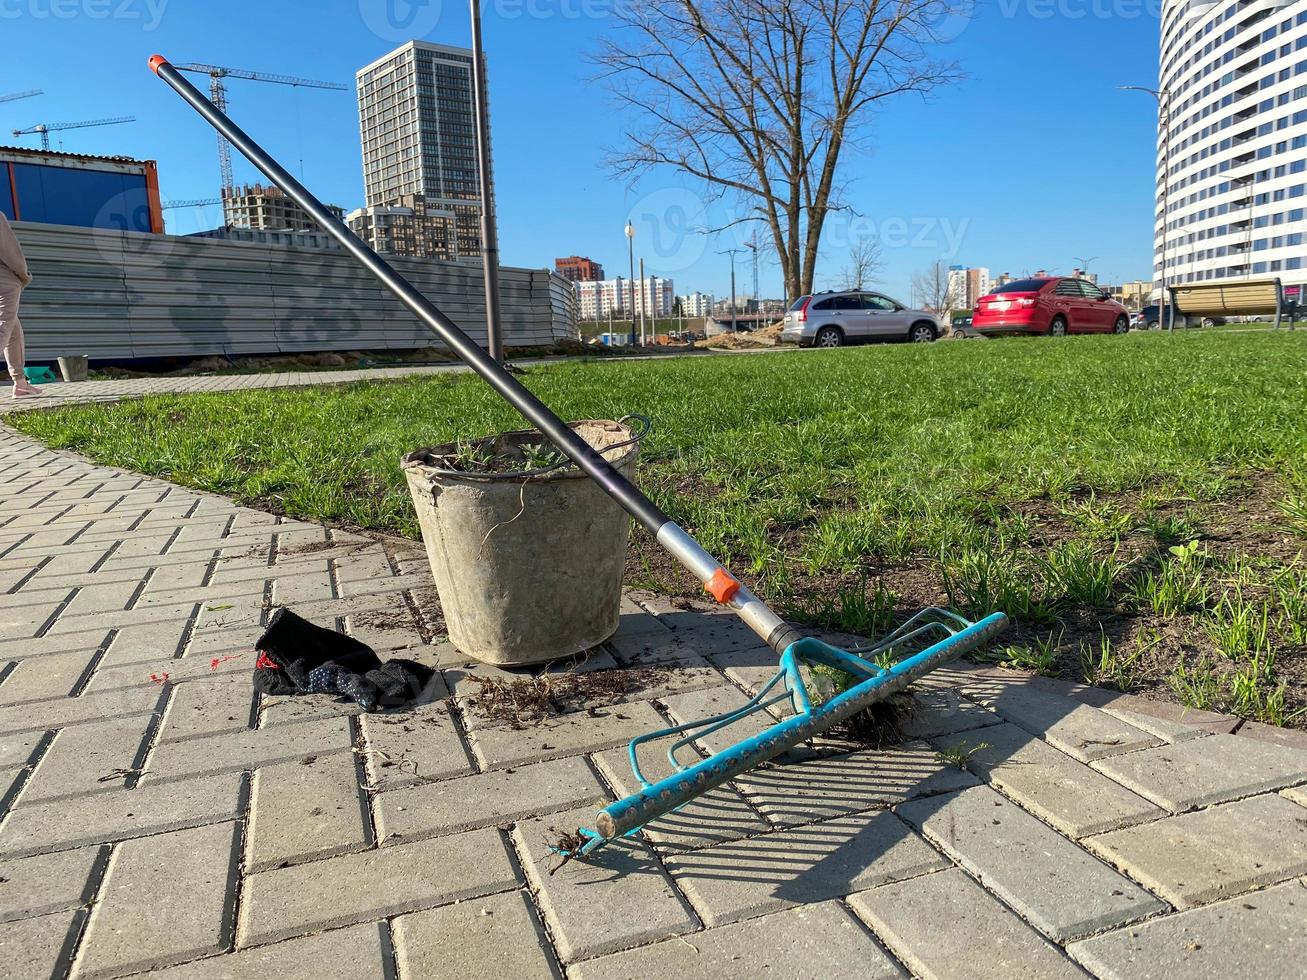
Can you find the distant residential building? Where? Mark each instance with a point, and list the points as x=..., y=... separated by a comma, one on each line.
x=267, y=208
x=298, y=239
x=418, y=129
x=601, y=298
x=579, y=269
x=409, y=227
x=1087, y=276
x=965, y=285
x=1132, y=294
x=696, y=304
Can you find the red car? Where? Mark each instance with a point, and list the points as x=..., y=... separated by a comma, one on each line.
x=1055, y=306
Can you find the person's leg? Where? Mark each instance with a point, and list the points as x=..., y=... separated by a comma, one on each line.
x=11, y=334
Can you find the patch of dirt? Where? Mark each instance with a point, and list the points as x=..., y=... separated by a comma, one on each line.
x=769, y=336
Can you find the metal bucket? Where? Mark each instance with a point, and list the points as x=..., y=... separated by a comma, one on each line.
x=528, y=566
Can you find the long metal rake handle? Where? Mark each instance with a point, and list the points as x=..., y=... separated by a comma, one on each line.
x=724, y=587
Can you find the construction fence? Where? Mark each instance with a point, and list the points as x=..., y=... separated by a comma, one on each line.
x=119, y=295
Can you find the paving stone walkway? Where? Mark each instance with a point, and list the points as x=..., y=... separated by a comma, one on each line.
x=158, y=815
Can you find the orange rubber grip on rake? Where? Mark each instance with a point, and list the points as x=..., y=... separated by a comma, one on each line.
x=722, y=586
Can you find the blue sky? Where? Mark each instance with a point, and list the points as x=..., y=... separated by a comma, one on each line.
x=1032, y=161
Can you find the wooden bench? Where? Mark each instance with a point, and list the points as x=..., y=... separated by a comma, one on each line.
x=1254, y=296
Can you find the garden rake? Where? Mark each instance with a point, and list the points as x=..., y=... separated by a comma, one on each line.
x=944, y=635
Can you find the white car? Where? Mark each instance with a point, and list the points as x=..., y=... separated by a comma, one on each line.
x=855, y=316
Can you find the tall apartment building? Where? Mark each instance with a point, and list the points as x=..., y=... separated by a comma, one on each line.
x=577, y=268
x=1232, y=141
x=620, y=297
x=267, y=209
x=417, y=123
x=407, y=227
x=696, y=304
x=965, y=285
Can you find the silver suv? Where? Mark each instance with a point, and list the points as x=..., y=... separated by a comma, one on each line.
x=854, y=316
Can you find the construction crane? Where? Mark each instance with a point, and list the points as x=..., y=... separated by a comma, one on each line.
x=202, y=202
x=45, y=129
x=21, y=95
x=218, y=96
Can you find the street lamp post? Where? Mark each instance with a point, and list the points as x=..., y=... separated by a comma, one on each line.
x=644, y=303
x=732, y=252
x=489, y=231
x=1163, y=98
x=630, y=247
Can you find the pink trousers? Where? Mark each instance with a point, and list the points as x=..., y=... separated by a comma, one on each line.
x=11, y=328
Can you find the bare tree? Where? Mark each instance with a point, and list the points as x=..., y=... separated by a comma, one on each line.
x=760, y=98
x=865, y=265
x=933, y=288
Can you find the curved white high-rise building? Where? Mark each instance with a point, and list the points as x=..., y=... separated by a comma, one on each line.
x=1232, y=163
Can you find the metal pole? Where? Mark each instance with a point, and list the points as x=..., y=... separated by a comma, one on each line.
x=644, y=303
x=489, y=231
x=630, y=255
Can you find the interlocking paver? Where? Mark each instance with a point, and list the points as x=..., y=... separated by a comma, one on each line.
x=356, y=953
x=816, y=789
x=719, y=815
x=63, y=712
x=87, y=759
x=495, y=936
x=922, y=923
x=1214, y=853
x=598, y=908
x=38, y=947
x=820, y=940
x=165, y=899
x=413, y=747
x=49, y=882
x=19, y=750
x=494, y=798
x=801, y=865
x=1298, y=794
x=1068, y=794
x=1260, y=935
x=566, y=735
x=1061, y=890
x=373, y=884
x=122, y=813
x=300, y=812
x=210, y=704
x=246, y=749
x=1209, y=770
x=1084, y=732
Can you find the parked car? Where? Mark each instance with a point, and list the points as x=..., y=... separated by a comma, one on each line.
x=961, y=320
x=1056, y=306
x=853, y=316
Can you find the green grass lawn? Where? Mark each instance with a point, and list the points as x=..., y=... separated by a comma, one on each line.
x=1138, y=504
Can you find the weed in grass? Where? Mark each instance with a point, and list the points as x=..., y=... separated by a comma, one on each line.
x=855, y=609
x=1037, y=658
x=1294, y=509
x=1239, y=627
x=1171, y=529
x=1197, y=687
x=1177, y=587
x=1105, y=664
x=980, y=579
x=879, y=725
x=1075, y=574
x=960, y=754
x=1288, y=590
x=1099, y=521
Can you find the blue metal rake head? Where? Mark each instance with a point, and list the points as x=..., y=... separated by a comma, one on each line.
x=944, y=635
